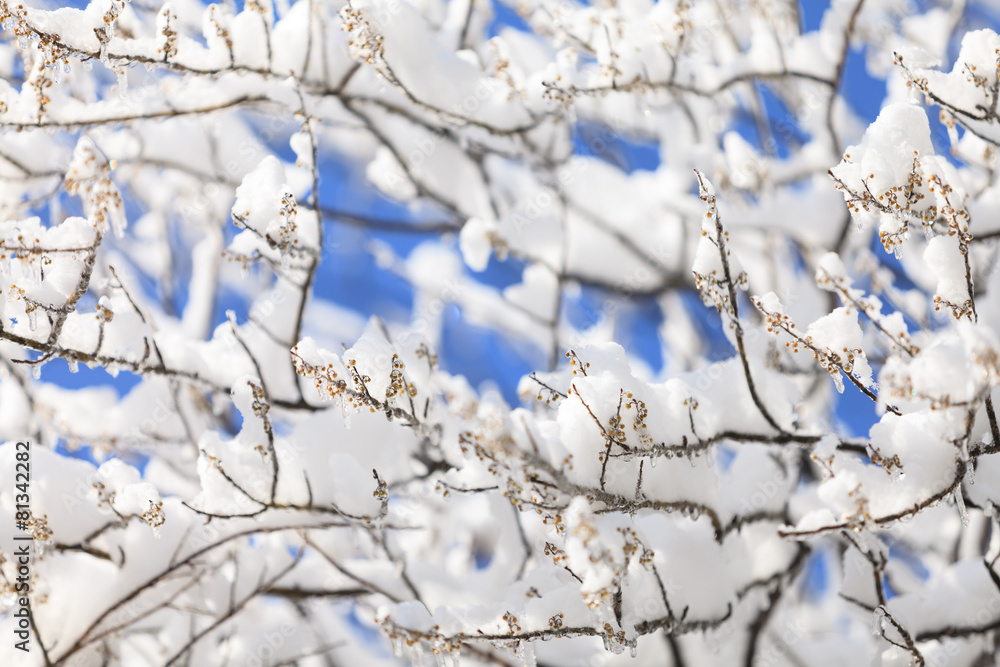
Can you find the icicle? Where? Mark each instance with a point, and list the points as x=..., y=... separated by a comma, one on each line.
x=88, y=65
x=22, y=43
x=613, y=644
x=878, y=618
x=32, y=318
x=74, y=365
x=118, y=222
x=525, y=652
x=633, y=650
x=397, y=647
x=122, y=76
x=652, y=461
x=415, y=652
x=346, y=413
x=156, y=532
x=970, y=473
x=960, y=504
x=36, y=371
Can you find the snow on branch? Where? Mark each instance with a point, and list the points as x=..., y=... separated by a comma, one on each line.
x=381, y=332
